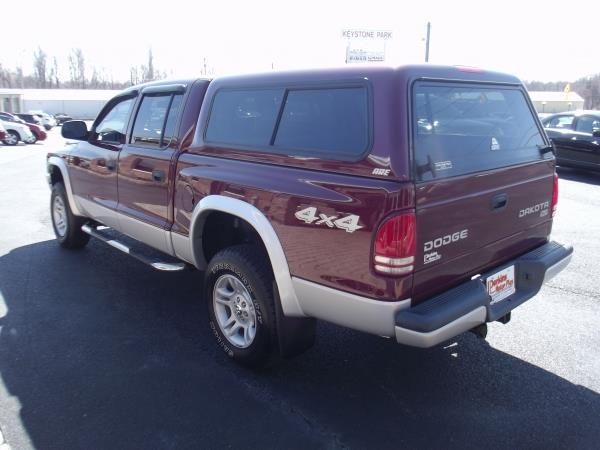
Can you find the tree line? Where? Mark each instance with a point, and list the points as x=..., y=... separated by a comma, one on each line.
x=45, y=75
x=81, y=75
x=587, y=87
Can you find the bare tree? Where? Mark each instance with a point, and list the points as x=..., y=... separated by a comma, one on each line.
x=55, y=73
x=149, y=72
x=19, y=77
x=5, y=77
x=39, y=67
x=77, y=68
x=133, y=75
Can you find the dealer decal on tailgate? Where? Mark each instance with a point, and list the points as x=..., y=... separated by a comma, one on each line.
x=501, y=284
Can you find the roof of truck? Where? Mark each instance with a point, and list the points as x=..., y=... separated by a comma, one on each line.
x=352, y=72
x=364, y=71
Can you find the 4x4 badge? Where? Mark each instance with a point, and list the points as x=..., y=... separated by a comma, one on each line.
x=348, y=223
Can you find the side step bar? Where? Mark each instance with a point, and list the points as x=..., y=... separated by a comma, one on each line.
x=155, y=263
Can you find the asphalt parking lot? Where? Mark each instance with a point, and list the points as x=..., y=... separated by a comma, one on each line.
x=98, y=351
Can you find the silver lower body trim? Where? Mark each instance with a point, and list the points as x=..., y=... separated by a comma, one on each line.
x=348, y=310
x=448, y=331
x=182, y=248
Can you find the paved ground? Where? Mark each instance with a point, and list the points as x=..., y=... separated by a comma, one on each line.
x=97, y=351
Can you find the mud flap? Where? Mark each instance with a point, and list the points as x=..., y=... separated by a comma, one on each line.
x=295, y=334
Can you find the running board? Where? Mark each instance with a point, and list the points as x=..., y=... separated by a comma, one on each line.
x=151, y=260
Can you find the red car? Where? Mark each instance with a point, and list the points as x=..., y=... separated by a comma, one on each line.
x=2, y=133
x=38, y=132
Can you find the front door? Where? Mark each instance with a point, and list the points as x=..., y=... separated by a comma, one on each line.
x=93, y=163
x=144, y=180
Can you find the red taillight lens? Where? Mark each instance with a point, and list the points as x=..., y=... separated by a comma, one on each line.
x=555, y=195
x=395, y=245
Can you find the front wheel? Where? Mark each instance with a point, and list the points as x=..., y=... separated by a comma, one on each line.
x=32, y=140
x=12, y=138
x=67, y=226
x=239, y=293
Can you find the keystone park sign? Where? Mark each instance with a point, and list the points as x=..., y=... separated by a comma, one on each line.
x=367, y=34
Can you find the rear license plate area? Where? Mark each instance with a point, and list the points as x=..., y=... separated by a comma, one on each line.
x=501, y=285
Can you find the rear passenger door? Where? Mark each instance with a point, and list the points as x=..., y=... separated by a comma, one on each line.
x=144, y=175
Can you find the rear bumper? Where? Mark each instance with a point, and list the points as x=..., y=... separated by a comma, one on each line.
x=468, y=305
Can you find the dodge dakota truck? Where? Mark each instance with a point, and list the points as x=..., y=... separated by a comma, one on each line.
x=414, y=203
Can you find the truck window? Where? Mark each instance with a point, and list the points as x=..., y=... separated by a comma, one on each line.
x=172, y=119
x=114, y=124
x=460, y=129
x=244, y=117
x=329, y=123
x=322, y=122
x=155, y=121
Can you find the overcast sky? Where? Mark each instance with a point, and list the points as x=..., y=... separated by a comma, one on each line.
x=533, y=40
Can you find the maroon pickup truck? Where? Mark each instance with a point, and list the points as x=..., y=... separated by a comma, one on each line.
x=414, y=203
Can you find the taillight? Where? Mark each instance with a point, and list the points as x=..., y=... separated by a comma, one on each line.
x=395, y=244
x=555, y=195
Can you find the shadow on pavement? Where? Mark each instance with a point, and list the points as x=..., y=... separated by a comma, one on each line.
x=102, y=352
x=580, y=175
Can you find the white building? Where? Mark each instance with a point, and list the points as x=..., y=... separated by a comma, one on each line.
x=554, y=102
x=77, y=103
x=11, y=100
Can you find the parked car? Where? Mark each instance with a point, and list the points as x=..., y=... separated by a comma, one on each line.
x=413, y=203
x=31, y=118
x=62, y=118
x=48, y=121
x=16, y=132
x=38, y=132
x=2, y=132
x=576, y=138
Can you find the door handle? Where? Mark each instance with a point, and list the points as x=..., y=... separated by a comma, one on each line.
x=158, y=175
x=499, y=201
x=108, y=164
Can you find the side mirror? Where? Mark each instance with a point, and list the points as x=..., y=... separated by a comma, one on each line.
x=75, y=129
x=596, y=132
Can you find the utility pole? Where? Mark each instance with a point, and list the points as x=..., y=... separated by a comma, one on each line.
x=427, y=42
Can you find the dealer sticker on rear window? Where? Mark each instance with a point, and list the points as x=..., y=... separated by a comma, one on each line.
x=501, y=284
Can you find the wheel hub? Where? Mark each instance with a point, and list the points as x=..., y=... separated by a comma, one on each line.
x=59, y=216
x=234, y=311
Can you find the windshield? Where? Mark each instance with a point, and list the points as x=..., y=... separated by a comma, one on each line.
x=463, y=128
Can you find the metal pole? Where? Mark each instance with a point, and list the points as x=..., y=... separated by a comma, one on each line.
x=427, y=42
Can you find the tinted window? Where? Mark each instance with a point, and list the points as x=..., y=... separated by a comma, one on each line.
x=588, y=124
x=172, y=119
x=560, y=122
x=150, y=120
x=113, y=127
x=244, y=117
x=331, y=121
x=462, y=129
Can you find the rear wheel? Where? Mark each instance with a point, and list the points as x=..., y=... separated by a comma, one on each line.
x=67, y=227
x=33, y=139
x=12, y=138
x=239, y=293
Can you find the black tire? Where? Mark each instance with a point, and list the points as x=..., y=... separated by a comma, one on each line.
x=68, y=230
x=33, y=140
x=14, y=140
x=247, y=264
